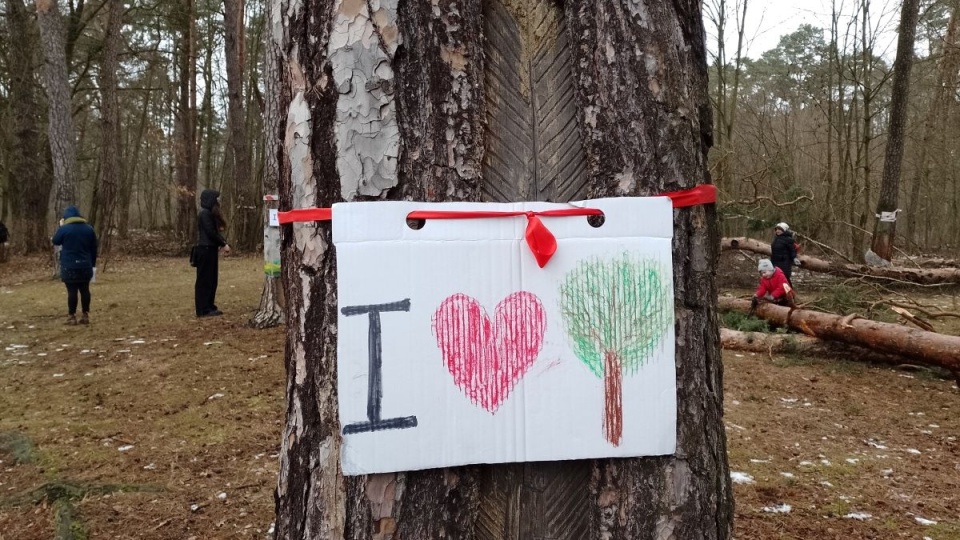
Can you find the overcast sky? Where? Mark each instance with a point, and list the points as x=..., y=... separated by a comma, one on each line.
x=767, y=20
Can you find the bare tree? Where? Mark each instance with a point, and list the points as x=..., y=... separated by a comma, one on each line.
x=30, y=183
x=60, y=133
x=644, y=131
x=885, y=225
x=110, y=147
x=185, y=123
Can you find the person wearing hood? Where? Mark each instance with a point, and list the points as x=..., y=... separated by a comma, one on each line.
x=210, y=242
x=78, y=262
x=773, y=286
x=783, y=250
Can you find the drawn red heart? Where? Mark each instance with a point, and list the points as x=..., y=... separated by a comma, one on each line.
x=486, y=358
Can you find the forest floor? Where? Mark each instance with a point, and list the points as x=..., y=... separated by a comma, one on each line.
x=150, y=423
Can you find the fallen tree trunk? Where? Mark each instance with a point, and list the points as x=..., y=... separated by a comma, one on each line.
x=928, y=348
x=922, y=276
x=760, y=342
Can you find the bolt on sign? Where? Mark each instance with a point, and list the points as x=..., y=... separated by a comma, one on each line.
x=491, y=333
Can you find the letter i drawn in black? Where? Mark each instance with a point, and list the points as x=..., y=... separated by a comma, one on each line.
x=375, y=377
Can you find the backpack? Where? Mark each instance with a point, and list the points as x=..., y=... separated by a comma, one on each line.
x=4, y=234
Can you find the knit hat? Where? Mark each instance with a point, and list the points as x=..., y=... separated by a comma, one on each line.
x=765, y=265
x=783, y=226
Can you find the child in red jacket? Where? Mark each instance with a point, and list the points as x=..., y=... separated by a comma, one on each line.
x=774, y=286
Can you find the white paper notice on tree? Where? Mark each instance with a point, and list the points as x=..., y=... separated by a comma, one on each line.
x=455, y=347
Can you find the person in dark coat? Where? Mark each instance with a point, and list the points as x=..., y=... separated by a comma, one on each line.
x=210, y=242
x=783, y=250
x=78, y=262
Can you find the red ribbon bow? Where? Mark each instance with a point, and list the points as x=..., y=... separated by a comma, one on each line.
x=541, y=241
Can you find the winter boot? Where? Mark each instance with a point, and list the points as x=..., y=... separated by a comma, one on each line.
x=71, y=320
x=85, y=318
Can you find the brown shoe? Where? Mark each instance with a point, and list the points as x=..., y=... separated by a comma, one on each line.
x=85, y=318
x=71, y=320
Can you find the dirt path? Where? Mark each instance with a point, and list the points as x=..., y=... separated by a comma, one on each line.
x=153, y=424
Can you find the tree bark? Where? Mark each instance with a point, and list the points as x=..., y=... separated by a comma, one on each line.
x=885, y=224
x=270, y=312
x=760, y=342
x=432, y=89
x=246, y=221
x=185, y=124
x=922, y=276
x=110, y=149
x=928, y=348
x=60, y=133
x=30, y=181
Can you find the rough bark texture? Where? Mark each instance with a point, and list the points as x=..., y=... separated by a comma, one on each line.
x=110, y=148
x=185, y=124
x=423, y=68
x=242, y=198
x=30, y=181
x=760, y=342
x=60, y=131
x=270, y=312
x=923, y=276
x=885, y=230
x=920, y=346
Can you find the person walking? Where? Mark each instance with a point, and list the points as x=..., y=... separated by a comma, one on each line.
x=783, y=250
x=206, y=257
x=78, y=262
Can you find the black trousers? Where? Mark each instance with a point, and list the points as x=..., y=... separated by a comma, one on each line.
x=208, y=271
x=73, y=289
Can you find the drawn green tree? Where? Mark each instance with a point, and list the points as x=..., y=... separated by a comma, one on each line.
x=616, y=312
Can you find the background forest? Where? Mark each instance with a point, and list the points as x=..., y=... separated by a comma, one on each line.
x=152, y=100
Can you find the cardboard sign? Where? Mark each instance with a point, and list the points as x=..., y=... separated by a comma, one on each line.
x=455, y=347
x=273, y=217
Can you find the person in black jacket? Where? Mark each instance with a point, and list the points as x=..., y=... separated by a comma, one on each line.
x=210, y=242
x=78, y=261
x=783, y=250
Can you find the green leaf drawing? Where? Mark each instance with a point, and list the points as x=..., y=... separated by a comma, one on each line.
x=616, y=312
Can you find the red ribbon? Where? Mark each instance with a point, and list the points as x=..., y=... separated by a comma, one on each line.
x=541, y=241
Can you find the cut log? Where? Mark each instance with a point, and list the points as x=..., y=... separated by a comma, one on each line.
x=929, y=348
x=922, y=276
x=760, y=342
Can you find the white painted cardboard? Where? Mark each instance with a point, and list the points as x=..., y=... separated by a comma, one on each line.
x=555, y=411
x=274, y=217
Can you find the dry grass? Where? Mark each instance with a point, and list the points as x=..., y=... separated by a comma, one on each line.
x=201, y=403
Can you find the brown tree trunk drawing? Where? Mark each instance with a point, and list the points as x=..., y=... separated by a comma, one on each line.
x=612, y=398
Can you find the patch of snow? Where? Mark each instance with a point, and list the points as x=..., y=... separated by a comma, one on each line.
x=853, y=461
x=886, y=472
x=272, y=528
x=138, y=342
x=58, y=374
x=123, y=351
x=85, y=351
x=825, y=483
x=194, y=507
x=875, y=444
x=739, y=355
x=740, y=478
x=787, y=475
x=826, y=462
x=41, y=354
x=125, y=448
x=789, y=400
x=759, y=461
x=806, y=464
x=913, y=451
x=735, y=402
x=923, y=521
x=862, y=516
x=150, y=467
x=778, y=509
x=218, y=395
x=209, y=343
x=222, y=495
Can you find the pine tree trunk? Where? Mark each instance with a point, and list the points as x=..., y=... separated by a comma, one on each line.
x=110, y=150
x=59, y=100
x=245, y=220
x=185, y=124
x=654, y=106
x=30, y=181
x=885, y=224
